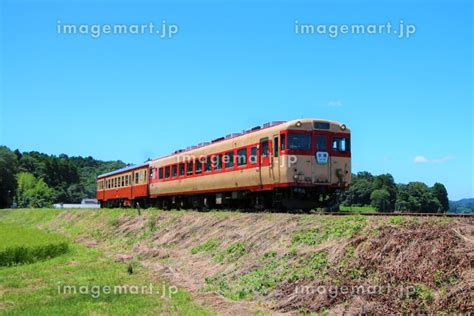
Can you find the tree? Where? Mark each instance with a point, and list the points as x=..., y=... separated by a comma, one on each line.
x=417, y=197
x=440, y=192
x=387, y=183
x=380, y=200
x=33, y=192
x=360, y=190
x=8, y=167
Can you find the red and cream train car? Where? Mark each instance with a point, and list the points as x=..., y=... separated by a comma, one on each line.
x=298, y=164
x=123, y=187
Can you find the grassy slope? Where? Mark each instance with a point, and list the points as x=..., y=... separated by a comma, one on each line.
x=33, y=288
x=255, y=256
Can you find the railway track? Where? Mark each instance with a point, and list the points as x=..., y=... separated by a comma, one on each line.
x=398, y=214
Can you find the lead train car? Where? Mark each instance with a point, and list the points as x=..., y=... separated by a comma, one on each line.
x=299, y=164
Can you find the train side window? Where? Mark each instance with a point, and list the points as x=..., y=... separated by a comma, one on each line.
x=190, y=168
x=229, y=160
x=198, y=166
x=130, y=179
x=174, y=171
x=264, y=149
x=167, y=172
x=340, y=144
x=321, y=143
x=123, y=181
x=160, y=173
x=253, y=155
x=283, y=142
x=181, y=169
x=136, y=177
x=208, y=164
x=276, y=150
x=144, y=175
x=242, y=157
x=218, y=162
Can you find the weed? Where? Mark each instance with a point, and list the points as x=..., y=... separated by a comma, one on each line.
x=208, y=246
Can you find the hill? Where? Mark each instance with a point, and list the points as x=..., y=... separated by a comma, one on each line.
x=462, y=206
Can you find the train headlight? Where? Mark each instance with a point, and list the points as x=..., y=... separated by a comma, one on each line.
x=298, y=124
x=343, y=127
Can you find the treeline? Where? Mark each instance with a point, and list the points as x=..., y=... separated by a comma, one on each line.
x=382, y=193
x=33, y=179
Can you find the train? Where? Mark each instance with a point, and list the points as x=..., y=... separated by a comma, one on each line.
x=299, y=164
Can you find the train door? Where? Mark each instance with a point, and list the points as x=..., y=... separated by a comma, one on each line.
x=264, y=160
x=276, y=159
x=321, y=169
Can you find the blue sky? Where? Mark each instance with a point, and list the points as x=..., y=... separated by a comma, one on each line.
x=235, y=65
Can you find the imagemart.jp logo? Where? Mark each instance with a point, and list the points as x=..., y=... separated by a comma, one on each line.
x=161, y=30
x=402, y=30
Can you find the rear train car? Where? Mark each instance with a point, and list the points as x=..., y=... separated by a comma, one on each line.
x=124, y=187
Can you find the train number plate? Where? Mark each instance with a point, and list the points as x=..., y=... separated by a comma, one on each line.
x=322, y=157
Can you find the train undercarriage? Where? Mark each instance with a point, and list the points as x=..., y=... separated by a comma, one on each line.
x=282, y=199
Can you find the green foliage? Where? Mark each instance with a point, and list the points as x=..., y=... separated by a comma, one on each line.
x=439, y=192
x=33, y=289
x=271, y=272
x=380, y=199
x=357, y=209
x=152, y=224
x=70, y=178
x=208, y=246
x=398, y=220
x=33, y=192
x=365, y=184
x=332, y=228
x=424, y=295
x=383, y=194
x=20, y=245
x=8, y=169
x=464, y=206
x=233, y=252
x=417, y=197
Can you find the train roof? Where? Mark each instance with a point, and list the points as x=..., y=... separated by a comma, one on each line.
x=282, y=124
x=125, y=169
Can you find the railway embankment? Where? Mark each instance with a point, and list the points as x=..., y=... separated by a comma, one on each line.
x=240, y=263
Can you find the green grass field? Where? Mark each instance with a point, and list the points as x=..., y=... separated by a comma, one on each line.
x=20, y=245
x=101, y=285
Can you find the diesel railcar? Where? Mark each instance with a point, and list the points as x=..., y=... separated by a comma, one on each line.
x=299, y=164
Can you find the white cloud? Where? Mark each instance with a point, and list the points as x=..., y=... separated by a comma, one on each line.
x=423, y=159
x=335, y=103
x=420, y=159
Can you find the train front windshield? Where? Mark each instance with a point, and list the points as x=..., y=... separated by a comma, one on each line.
x=299, y=141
